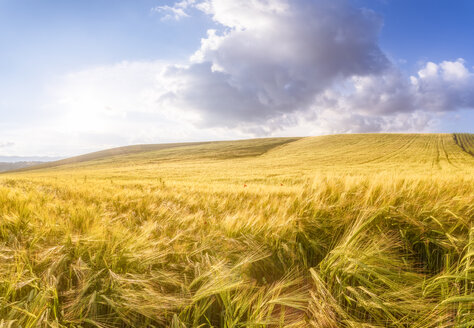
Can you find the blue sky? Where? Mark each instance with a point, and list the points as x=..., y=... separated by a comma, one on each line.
x=425, y=30
x=77, y=76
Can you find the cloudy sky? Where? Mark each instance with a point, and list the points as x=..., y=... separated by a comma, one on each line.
x=79, y=76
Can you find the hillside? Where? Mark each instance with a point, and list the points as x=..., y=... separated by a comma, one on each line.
x=284, y=157
x=367, y=230
x=224, y=149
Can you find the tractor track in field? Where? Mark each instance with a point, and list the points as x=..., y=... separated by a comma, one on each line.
x=437, y=157
x=392, y=153
x=443, y=142
x=465, y=141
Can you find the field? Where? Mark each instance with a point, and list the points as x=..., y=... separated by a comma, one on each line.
x=369, y=230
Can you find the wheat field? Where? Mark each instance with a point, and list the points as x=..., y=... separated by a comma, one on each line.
x=368, y=230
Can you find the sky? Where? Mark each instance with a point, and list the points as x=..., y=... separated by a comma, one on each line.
x=80, y=76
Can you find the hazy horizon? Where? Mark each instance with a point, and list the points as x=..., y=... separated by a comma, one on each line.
x=78, y=77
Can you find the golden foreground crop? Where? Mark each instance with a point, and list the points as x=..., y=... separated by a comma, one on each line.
x=335, y=231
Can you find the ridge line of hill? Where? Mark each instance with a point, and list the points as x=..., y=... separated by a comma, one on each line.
x=141, y=148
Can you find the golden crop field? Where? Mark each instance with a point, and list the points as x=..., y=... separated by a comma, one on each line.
x=368, y=230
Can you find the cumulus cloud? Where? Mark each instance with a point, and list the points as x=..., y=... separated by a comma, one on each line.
x=391, y=101
x=270, y=67
x=274, y=60
x=380, y=94
x=273, y=57
x=447, y=86
x=435, y=88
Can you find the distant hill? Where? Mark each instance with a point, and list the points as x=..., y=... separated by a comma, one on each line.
x=240, y=148
x=355, y=152
x=6, y=166
x=37, y=159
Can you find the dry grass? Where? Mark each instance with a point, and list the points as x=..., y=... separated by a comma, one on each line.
x=334, y=231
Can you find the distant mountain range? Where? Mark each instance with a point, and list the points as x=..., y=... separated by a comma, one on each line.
x=13, y=159
x=16, y=165
x=8, y=163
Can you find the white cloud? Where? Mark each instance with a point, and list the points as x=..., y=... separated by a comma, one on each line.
x=443, y=87
x=275, y=61
x=380, y=94
x=272, y=64
x=273, y=57
x=271, y=67
x=176, y=12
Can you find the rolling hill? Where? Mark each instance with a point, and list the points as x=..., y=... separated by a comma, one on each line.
x=364, y=230
x=274, y=157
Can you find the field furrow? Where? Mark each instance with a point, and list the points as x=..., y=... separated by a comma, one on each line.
x=465, y=141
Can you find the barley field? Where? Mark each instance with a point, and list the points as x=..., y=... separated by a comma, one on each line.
x=368, y=230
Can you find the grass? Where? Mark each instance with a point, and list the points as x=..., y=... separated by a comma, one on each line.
x=332, y=231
